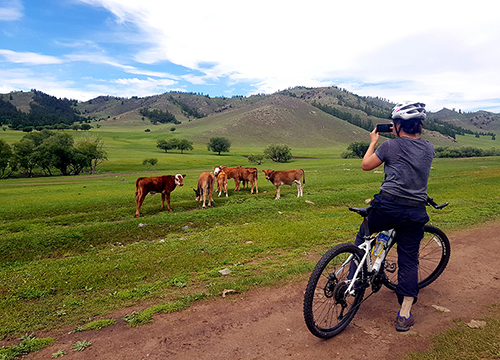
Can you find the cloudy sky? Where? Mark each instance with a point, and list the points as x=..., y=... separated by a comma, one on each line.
x=444, y=53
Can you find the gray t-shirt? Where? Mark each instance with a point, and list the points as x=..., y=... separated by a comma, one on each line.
x=407, y=166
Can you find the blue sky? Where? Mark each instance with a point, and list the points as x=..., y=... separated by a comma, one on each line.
x=443, y=53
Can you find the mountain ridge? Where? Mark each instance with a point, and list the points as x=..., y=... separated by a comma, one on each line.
x=288, y=116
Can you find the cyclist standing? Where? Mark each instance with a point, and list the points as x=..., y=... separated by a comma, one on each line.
x=400, y=204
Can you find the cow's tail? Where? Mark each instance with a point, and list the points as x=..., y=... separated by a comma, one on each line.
x=303, y=176
x=137, y=186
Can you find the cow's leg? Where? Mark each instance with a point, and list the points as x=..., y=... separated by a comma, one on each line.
x=256, y=187
x=204, y=197
x=163, y=200
x=277, y=192
x=210, y=199
x=167, y=195
x=236, y=184
x=299, y=188
x=139, y=199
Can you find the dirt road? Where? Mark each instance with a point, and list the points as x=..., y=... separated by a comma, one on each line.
x=268, y=323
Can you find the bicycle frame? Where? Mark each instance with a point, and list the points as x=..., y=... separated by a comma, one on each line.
x=366, y=246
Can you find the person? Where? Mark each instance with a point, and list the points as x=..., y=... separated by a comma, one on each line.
x=401, y=202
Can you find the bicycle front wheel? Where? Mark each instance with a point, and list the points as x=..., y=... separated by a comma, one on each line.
x=328, y=307
x=433, y=257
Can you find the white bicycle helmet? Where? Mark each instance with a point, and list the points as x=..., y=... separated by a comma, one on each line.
x=409, y=110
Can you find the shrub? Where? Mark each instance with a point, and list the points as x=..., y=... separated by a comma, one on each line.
x=278, y=153
x=356, y=149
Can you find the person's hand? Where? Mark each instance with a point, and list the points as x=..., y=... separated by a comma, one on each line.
x=393, y=132
x=374, y=136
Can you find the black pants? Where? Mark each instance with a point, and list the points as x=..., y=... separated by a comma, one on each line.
x=408, y=219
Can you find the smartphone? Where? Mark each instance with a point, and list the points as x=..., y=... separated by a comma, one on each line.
x=384, y=128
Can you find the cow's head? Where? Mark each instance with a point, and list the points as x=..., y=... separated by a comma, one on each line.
x=268, y=173
x=197, y=194
x=178, y=179
x=217, y=170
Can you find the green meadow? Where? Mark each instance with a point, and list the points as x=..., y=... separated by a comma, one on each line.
x=71, y=250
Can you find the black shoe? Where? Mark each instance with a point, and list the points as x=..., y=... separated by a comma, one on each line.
x=404, y=324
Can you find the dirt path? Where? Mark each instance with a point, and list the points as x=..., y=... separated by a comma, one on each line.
x=268, y=323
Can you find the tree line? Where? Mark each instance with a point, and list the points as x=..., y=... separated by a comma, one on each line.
x=357, y=149
x=452, y=130
x=188, y=111
x=159, y=116
x=45, y=110
x=345, y=115
x=45, y=152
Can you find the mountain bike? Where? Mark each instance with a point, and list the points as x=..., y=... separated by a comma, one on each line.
x=337, y=284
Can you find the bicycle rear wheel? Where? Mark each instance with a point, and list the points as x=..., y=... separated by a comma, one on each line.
x=433, y=258
x=328, y=309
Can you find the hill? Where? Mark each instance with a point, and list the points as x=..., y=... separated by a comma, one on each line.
x=300, y=116
x=479, y=121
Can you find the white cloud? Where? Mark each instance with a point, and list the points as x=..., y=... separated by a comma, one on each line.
x=29, y=58
x=11, y=10
x=441, y=53
x=424, y=48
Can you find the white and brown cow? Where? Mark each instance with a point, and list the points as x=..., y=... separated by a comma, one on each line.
x=156, y=184
x=205, y=187
x=221, y=179
x=288, y=177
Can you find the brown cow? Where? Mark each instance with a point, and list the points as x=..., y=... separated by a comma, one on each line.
x=221, y=178
x=249, y=175
x=278, y=178
x=150, y=185
x=205, y=186
x=241, y=174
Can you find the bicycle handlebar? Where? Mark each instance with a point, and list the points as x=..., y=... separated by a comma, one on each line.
x=430, y=201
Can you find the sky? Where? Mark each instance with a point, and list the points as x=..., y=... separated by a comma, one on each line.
x=443, y=53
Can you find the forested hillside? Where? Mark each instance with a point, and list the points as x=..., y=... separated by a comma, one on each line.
x=36, y=110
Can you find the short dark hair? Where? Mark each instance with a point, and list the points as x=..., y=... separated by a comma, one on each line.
x=412, y=126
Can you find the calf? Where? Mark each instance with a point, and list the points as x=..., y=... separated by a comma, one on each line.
x=241, y=174
x=205, y=186
x=221, y=180
x=232, y=173
x=249, y=175
x=278, y=178
x=150, y=185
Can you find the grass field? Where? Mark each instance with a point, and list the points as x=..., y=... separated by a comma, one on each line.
x=71, y=249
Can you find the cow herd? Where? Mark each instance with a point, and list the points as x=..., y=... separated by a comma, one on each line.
x=208, y=183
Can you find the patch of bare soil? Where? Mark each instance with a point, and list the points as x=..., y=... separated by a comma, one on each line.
x=268, y=323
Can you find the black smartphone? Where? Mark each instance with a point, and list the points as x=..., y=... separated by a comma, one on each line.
x=384, y=128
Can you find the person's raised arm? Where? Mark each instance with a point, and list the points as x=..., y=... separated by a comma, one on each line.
x=371, y=160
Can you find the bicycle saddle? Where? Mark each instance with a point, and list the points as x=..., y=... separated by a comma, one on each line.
x=363, y=211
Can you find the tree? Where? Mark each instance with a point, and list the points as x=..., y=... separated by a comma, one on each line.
x=256, y=159
x=5, y=159
x=184, y=144
x=278, y=153
x=93, y=153
x=356, y=149
x=218, y=145
x=24, y=155
x=150, y=162
x=61, y=151
x=167, y=144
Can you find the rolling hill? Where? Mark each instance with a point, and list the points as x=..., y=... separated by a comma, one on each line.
x=294, y=116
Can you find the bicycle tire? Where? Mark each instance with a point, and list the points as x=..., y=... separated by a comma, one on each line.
x=327, y=311
x=434, y=254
